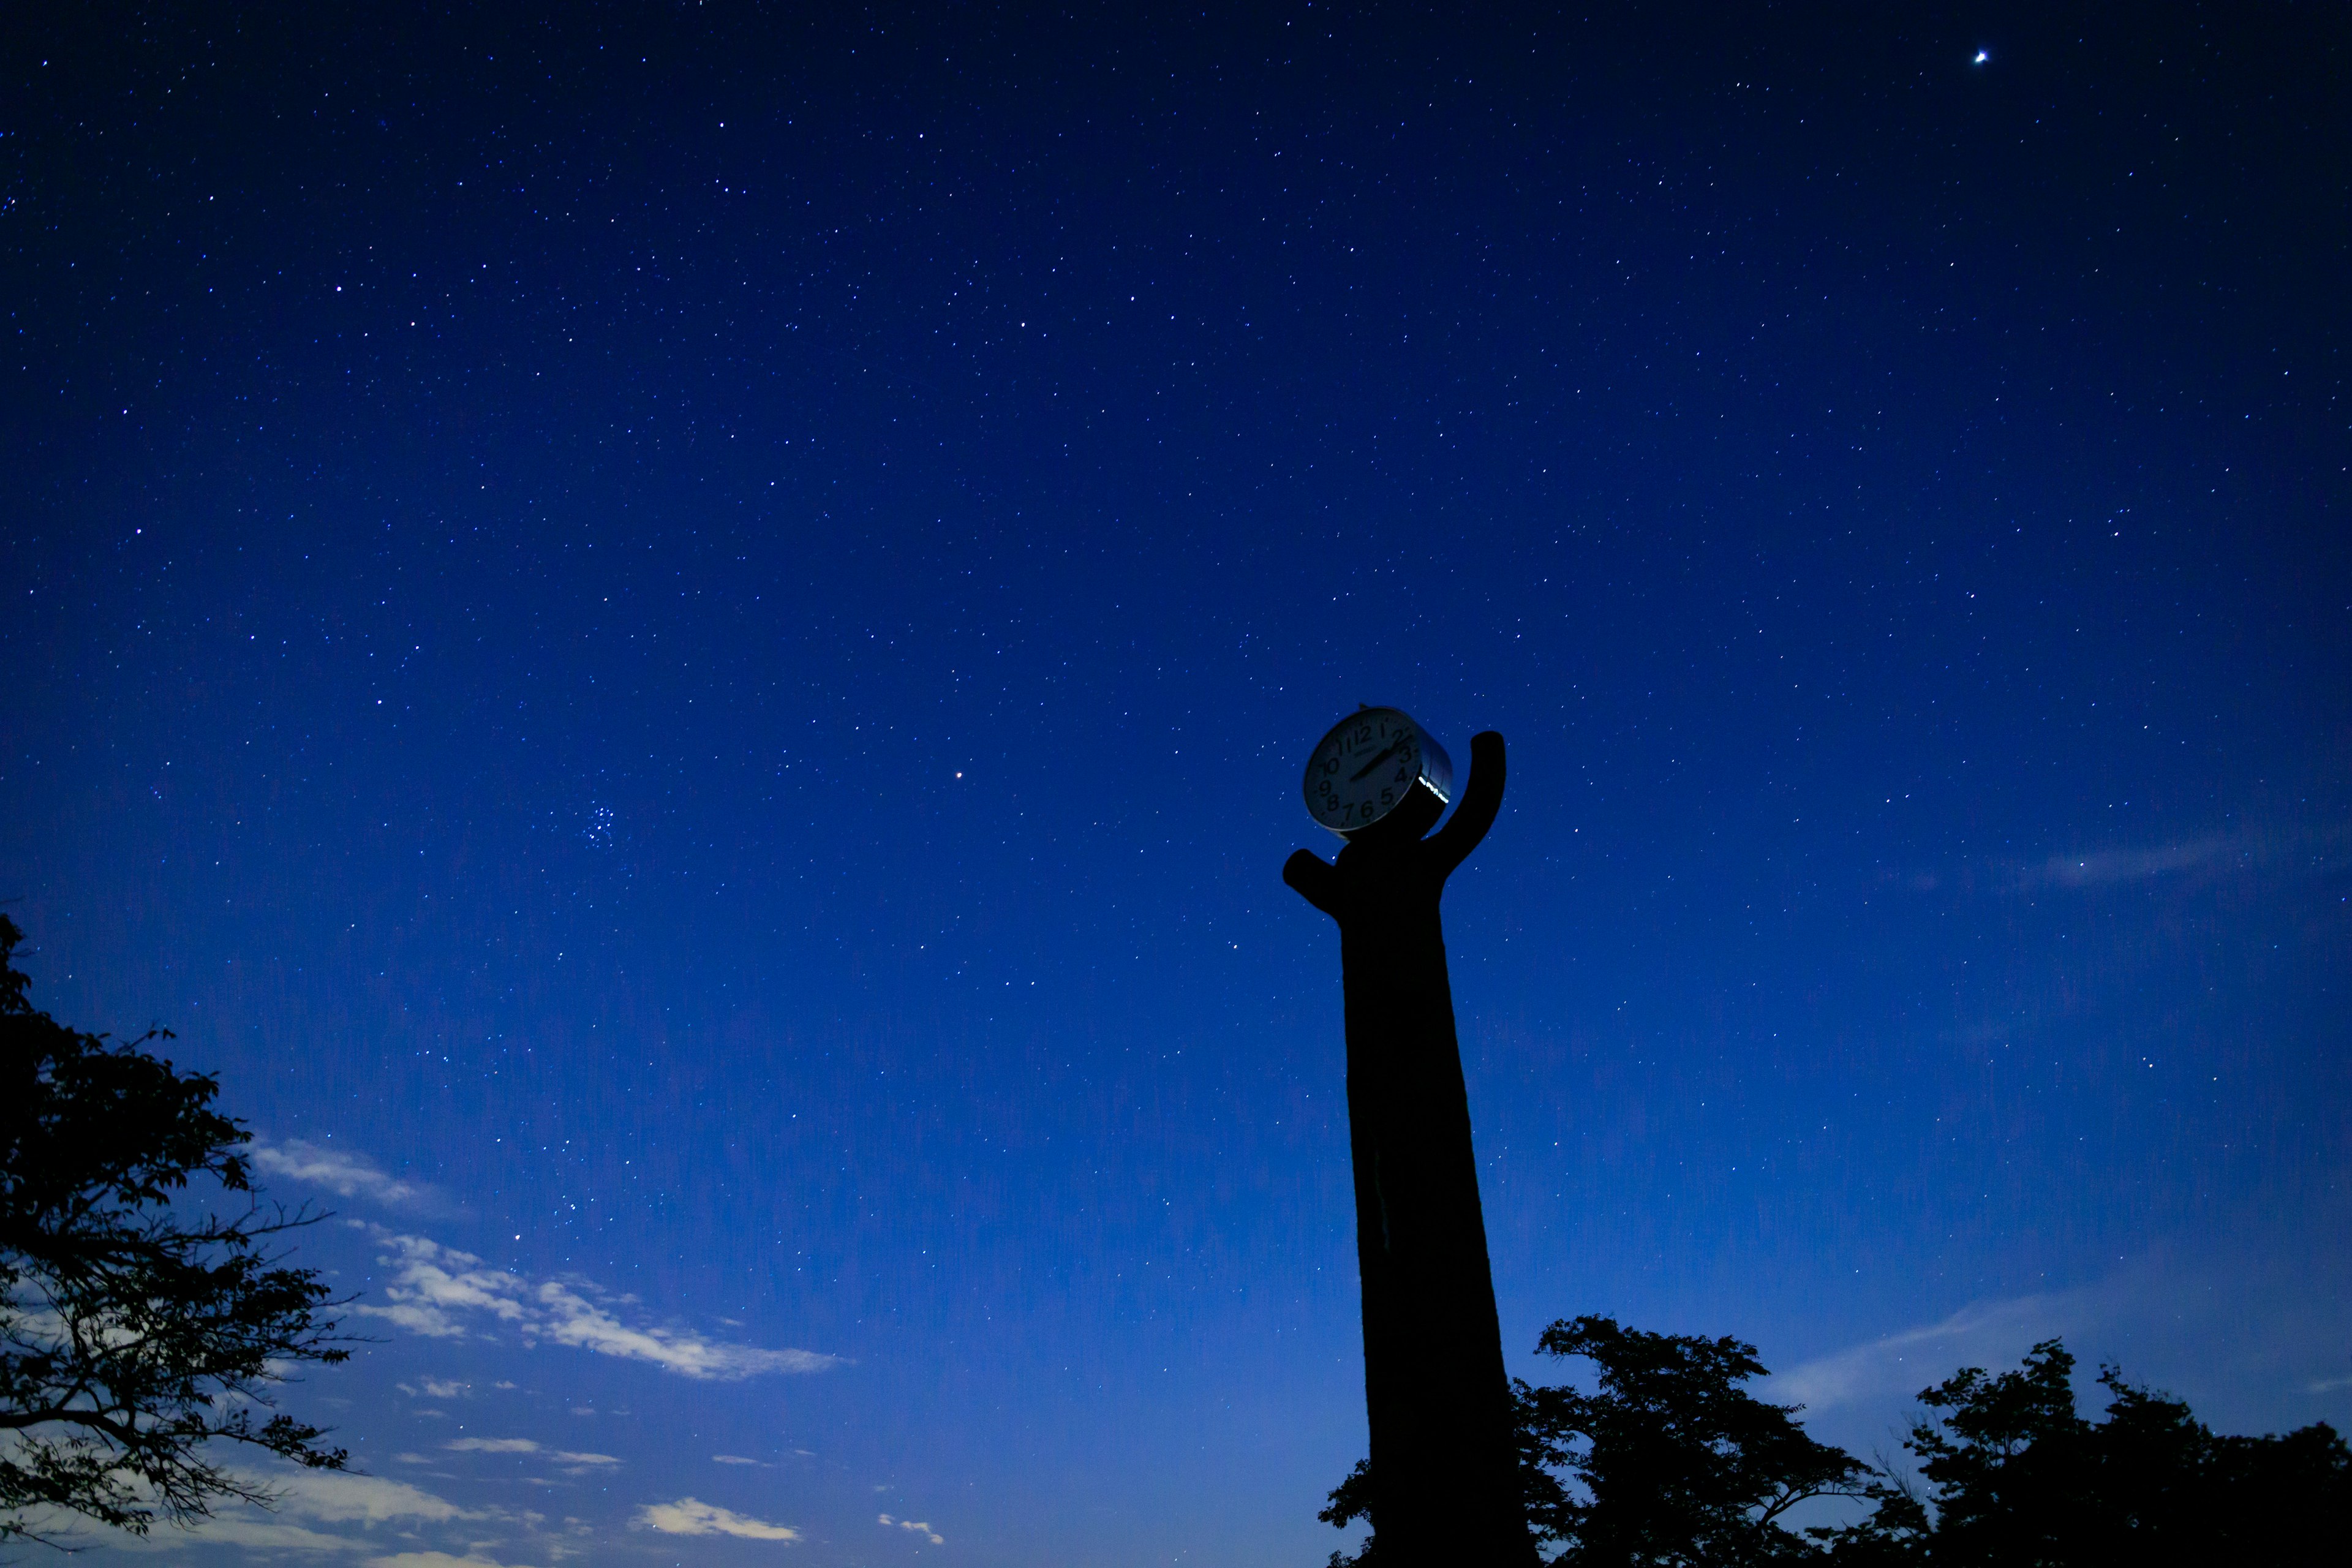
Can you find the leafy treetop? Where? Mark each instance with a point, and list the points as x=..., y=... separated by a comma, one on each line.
x=131, y=1335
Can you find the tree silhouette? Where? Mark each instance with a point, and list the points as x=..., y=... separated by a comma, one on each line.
x=131, y=1335
x=1676, y=1462
x=2018, y=1477
x=1541, y=1494
x=1668, y=1462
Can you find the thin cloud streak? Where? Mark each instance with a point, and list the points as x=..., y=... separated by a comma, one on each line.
x=342, y=1496
x=436, y=1388
x=343, y=1171
x=2106, y=866
x=578, y=1462
x=2250, y=850
x=442, y=1293
x=309, y=1498
x=690, y=1516
x=918, y=1527
x=1887, y=1366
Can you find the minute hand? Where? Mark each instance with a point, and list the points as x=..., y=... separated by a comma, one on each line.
x=1394, y=747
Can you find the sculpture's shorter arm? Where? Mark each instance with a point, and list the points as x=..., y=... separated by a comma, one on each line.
x=1311, y=877
x=1482, y=797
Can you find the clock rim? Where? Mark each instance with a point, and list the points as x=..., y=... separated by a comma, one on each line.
x=1438, y=780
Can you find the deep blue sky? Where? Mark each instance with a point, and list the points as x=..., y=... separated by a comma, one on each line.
x=678, y=640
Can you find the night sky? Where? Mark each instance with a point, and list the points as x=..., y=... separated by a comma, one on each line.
x=678, y=639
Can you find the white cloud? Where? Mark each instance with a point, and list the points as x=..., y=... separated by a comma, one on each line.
x=2101, y=868
x=255, y=1533
x=2307, y=850
x=343, y=1171
x=578, y=1462
x=442, y=1293
x=1905, y=1363
x=732, y=1459
x=433, y=1287
x=436, y=1388
x=918, y=1527
x=339, y=1496
x=688, y=1516
x=573, y=1319
x=312, y=1498
x=325, y=1511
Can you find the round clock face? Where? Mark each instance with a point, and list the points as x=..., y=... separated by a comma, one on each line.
x=1366, y=767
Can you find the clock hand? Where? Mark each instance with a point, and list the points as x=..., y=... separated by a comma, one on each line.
x=1394, y=747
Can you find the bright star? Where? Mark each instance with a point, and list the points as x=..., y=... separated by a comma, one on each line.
x=1982, y=56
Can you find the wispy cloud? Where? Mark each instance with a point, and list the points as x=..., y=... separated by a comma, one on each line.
x=2289, y=849
x=573, y=1463
x=340, y=1497
x=1903, y=1363
x=2104, y=867
x=250, y=1531
x=689, y=1515
x=385, y=1523
x=442, y=1293
x=254, y=1532
x=308, y=1499
x=918, y=1527
x=345, y=1172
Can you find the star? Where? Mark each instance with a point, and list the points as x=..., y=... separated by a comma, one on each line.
x=1982, y=56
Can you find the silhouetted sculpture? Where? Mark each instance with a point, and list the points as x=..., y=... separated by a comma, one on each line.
x=1443, y=1469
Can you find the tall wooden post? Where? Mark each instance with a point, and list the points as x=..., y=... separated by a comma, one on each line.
x=1444, y=1472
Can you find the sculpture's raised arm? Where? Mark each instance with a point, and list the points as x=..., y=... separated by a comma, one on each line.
x=1312, y=878
x=1482, y=797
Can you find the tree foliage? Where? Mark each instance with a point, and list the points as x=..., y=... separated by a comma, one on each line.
x=1675, y=1462
x=133, y=1334
x=1669, y=1462
x=2017, y=1476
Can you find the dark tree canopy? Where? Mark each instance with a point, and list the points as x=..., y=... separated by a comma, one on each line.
x=2018, y=1477
x=1678, y=1463
x=130, y=1333
x=1670, y=1463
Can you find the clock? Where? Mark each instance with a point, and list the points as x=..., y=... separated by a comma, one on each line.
x=1371, y=764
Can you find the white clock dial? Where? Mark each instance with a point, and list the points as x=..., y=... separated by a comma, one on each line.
x=1368, y=765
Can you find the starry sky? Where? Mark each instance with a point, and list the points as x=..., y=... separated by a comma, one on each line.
x=678, y=639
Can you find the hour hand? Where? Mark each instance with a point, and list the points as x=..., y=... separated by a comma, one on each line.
x=1394, y=747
